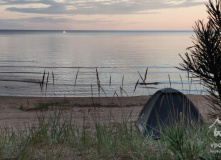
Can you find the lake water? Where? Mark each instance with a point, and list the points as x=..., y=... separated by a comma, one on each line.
x=117, y=55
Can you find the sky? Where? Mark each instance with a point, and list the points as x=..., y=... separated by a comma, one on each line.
x=101, y=14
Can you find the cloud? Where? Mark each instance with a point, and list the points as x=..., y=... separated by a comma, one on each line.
x=10, y=24
x=45, y=20
x=28, y=6
x=12, y=2
x=90, y=7
x=19, y=22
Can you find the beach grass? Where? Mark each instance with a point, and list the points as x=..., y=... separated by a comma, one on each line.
x=57, y=137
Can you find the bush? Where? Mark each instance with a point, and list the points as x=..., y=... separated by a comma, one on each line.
x=203, y=61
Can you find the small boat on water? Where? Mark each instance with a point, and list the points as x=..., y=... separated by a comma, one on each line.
x=63, y=31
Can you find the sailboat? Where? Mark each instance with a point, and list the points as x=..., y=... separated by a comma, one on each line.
x=63, y=31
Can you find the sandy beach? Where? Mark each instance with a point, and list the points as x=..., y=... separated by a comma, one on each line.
x=18, y=112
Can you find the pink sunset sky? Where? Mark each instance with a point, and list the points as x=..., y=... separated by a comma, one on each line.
x=101, y=14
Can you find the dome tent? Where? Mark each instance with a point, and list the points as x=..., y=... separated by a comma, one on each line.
x=166, y=107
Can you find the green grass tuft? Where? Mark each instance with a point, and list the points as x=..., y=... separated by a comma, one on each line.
x=59, y=138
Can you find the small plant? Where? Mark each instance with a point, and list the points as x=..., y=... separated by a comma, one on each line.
x=39, y=107
x=112, y=104
x=57, y=137
x=186, y=142
x=21, y=107
x=42, y=106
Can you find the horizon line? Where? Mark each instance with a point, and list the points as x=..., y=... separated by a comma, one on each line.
x=96, y=30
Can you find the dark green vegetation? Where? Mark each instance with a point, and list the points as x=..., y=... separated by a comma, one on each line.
x=58, y=138
x=44, y=106
x=204, y=60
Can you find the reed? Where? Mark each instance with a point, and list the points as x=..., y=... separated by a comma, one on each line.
x=58, y=137
x=122, y=90
x=141, y=77
x=145, y=76
x=98, y=82
x=101, y=88
x=115, y=93
x=53, y=77
x=42, y=81
x=169, y=80
x=92, y=95
x=47, y=81
x=103, y=91
x=181, y=81
x=144, y=80
x=75, y=81
x=110, y=81
x=135, y=87
x=122, y=86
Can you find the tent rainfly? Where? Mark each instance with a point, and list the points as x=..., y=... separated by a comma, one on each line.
x=166, y=107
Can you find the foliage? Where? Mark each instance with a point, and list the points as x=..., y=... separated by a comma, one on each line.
x=188, y=142
x=204, y=59
x=60, y=138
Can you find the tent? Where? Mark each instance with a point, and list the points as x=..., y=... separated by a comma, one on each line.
x=166, y=107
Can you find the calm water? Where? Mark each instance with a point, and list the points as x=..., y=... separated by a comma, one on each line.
x=24, y=55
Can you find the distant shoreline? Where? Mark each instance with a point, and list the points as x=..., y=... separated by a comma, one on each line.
x=101, y=30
